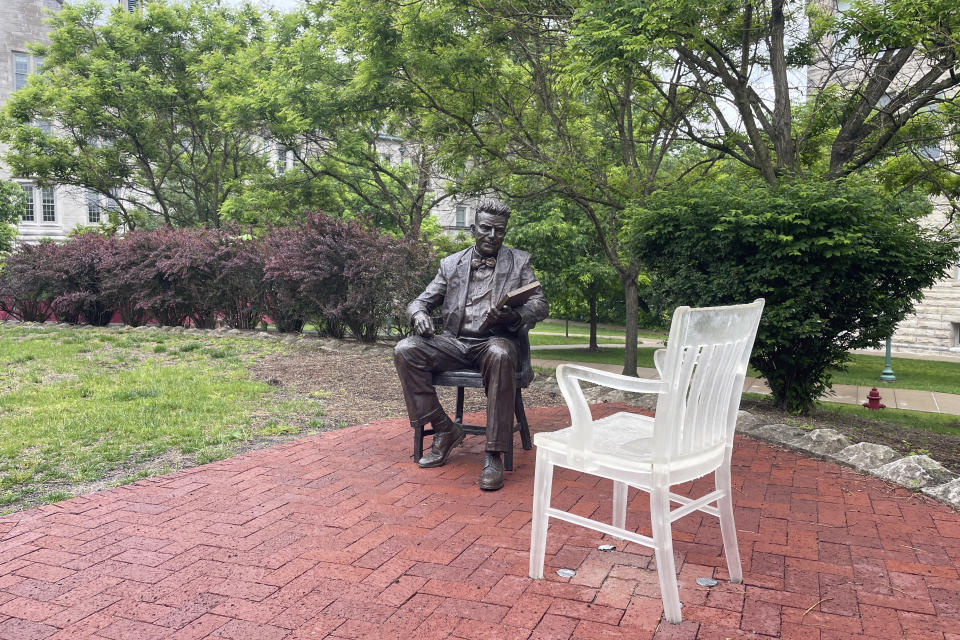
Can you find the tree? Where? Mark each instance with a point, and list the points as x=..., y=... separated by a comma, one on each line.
x=12, y=202
x=873, y=71
x=352, y=145
x=508, y=92
x=839, y=264
x=567, y=258
x=131, y=98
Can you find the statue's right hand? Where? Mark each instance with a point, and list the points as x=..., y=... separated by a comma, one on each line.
x=422, y=324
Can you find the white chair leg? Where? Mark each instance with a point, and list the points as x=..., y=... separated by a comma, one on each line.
x=728, y=528
x=619, y=505
x=663, y=551
x=542, y=485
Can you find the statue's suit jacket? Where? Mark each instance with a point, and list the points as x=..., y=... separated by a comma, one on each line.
x=449, y=288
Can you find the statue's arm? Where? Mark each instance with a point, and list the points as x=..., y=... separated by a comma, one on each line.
x=431, y=298
x=535, y=309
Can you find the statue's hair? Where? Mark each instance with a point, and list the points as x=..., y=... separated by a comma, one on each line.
x=494, y=208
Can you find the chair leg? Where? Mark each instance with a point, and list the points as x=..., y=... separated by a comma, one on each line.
x=522, y=420
x=728, y=528
x=663, y=550
x=459, y=414
x=417, y=442
x=542, y=486
x=508, y=456
x=619, y=505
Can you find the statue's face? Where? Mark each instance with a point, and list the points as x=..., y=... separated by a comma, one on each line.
x=489, y=230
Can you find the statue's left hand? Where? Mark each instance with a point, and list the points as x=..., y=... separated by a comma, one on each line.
x=505, y=316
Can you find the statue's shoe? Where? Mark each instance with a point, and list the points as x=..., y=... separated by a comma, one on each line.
x=491, y=478
x=443, y=444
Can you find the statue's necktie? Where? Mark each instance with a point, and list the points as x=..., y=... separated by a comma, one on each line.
x=480, y=263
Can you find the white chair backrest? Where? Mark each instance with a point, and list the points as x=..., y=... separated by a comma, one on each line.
x=704, y=369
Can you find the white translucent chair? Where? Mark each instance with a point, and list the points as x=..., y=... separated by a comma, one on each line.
x=702, y=372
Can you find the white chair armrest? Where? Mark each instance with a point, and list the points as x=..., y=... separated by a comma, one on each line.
x=658, y=357
x=607, y=379
x=580, y=419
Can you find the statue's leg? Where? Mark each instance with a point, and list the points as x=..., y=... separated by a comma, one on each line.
x=417, y=359
x=498, y=364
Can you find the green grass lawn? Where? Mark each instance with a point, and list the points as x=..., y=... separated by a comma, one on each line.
x=938, y=422
x=606, y=355
x=537, y=339
x=78, y=404
x=926, y=375
x=559, y=326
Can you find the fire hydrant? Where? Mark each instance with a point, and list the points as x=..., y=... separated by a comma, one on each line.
x=873, y=400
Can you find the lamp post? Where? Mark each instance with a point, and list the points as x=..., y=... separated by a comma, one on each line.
x=887, y=374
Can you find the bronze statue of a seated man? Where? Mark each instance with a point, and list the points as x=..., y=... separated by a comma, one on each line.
x=476, y=334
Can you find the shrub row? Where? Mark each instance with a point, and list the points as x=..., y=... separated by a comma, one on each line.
x=333, y=274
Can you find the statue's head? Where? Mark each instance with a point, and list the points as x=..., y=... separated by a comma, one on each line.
x=490, y=226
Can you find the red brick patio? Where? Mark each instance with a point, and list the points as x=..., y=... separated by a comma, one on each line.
x=340, y=535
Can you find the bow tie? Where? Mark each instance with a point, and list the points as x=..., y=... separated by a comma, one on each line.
x=479, y=263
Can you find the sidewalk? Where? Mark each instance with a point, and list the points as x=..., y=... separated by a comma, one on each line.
x=340, y=535
x=893, y=398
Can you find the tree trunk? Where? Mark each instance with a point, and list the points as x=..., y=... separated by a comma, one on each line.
x=629, y=279
x=594, y=347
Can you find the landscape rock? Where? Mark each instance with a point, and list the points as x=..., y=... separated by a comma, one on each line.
x=779, y=433
x=646, y=401
x=594, y=394
x=822, y=442
x=866, y=455
x=948, y=493
x=747, y=422
x=914, y=472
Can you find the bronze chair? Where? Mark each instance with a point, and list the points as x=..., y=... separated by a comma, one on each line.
x=462, y=378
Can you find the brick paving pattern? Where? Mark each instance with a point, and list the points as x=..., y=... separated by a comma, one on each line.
x=340, y=535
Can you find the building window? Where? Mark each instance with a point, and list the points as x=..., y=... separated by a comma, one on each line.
x=21, y=69
x=132, y=5
x=955, y=328
x=27, y=215
x=93, y=207
x=284, y=158
x=48, y=205
x=461, y=216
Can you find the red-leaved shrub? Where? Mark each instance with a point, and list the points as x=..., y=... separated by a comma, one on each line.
x=351, y=276
x=74, y=279
x=24, y=292
x=238, y=289
x=281, y=250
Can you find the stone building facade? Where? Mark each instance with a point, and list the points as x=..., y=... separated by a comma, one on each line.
x=51, y=212
x=935, y=326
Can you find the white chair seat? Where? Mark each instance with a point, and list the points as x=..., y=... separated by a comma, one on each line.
x=630, y=434
x=698, y=396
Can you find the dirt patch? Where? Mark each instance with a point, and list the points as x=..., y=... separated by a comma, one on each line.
x=361, y=382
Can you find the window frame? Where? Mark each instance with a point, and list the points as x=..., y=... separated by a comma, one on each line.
x=29, y=206
x=27, y=59
x=45, y=203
